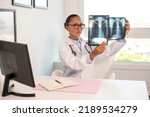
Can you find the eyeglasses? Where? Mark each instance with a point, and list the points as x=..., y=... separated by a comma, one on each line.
x=76, y=26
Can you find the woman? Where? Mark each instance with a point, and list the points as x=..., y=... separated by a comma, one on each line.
x=76, y=56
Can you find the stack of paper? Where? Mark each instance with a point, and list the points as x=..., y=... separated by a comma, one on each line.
x=53, y=84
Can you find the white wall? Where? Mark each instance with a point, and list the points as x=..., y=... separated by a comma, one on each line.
x=74, y=6
x=42, y=30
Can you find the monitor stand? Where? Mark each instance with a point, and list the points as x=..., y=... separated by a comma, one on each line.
x=7, y=89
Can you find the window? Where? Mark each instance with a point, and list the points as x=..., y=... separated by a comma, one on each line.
x=136, y=50
x=138, y=40
x=136, y=12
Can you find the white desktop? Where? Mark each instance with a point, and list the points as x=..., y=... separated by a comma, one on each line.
x=109, y=90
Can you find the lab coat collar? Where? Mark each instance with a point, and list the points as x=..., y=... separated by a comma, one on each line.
x=72, y=42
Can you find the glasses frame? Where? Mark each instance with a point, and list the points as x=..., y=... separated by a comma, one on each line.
x=76, y=26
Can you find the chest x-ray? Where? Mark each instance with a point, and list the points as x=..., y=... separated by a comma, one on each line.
x=98, y=29
x=103, y=28
x=117, y=28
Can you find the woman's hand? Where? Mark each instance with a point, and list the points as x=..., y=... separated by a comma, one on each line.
x=127, y=27
x=98, y=50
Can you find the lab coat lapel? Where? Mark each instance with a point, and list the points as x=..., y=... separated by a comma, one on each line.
x=74, y=46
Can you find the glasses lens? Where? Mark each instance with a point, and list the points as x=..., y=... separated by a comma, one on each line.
x=76, y=26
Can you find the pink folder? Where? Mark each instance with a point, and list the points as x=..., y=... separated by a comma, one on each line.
x=84, y=86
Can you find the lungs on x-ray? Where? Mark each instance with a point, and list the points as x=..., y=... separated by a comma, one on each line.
x=117, y=27
x=103, y=28
x=98, y=29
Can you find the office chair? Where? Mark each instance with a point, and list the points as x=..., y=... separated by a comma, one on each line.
x=57, y=73
x=102, y=69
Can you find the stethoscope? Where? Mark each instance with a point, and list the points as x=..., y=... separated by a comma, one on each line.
x=75, y=53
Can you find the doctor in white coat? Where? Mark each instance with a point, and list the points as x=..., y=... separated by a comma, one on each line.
x=77, y=56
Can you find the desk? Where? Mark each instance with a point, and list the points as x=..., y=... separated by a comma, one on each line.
x=109, y=90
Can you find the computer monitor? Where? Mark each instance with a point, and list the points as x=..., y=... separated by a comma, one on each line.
x=15, y=65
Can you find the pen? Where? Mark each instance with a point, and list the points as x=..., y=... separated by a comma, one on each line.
x=58, y=81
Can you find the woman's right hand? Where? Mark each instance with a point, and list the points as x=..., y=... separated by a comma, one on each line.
x=98, y=50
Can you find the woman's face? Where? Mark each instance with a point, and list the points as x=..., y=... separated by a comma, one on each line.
x=74, y=28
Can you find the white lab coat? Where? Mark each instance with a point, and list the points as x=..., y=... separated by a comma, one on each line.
x=77, y=66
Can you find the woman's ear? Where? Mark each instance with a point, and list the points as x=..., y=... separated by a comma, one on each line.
x=66, y=27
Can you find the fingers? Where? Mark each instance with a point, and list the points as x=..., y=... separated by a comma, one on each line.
x=127, y=26
x=98, y=50
x=103, y=44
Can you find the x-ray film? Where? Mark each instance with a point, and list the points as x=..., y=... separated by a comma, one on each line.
x=117, y=27
x=103, y=28
x=98, y=29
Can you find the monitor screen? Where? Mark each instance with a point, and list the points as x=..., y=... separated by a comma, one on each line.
x=14, y=59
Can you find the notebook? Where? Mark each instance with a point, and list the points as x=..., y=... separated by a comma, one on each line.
x=83, y=86
x=53, y=84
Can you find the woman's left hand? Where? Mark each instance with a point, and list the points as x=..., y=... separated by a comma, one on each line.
x=127, y=27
